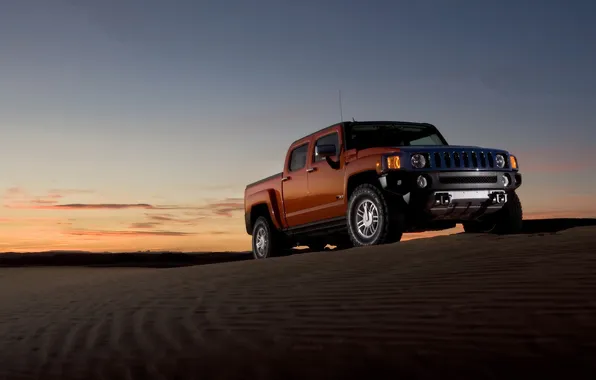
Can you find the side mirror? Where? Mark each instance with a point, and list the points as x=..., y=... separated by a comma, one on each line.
x=327, y=150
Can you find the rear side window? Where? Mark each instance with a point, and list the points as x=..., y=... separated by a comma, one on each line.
x=330, y=139
x=298, y=158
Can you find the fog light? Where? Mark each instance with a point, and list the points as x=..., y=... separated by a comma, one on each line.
x=505, y=179
x=422, y=182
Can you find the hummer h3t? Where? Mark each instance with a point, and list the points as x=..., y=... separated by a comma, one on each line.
x=366, y=183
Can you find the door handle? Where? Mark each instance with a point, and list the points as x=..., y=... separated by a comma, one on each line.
x=310, y=170
x=284, y=179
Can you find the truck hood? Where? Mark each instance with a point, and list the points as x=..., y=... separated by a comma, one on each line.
x=446, y=148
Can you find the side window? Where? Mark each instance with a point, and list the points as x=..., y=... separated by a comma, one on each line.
x=298, y=158
x=331, y=139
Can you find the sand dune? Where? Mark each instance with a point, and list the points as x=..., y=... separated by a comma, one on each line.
x=471, y=305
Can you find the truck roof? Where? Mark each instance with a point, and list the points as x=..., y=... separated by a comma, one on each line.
x=348, y=123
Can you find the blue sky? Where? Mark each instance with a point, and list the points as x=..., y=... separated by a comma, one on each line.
x=184, y=102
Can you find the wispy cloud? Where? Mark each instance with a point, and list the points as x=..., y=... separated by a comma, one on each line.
x=18, y=197
x=225, y=207
x=32, y=220
x=142, y=225
x=64, y=192
x=170, y=218
x=110, y=206
x=14, y=192
x=108, y=233
x=46, y=205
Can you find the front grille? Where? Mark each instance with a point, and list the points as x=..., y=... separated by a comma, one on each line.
x=464, y=179
x=468, y=159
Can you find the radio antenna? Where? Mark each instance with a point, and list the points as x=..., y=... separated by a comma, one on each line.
x=341, y=113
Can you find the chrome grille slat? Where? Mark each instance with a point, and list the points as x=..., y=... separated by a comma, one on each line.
x=465, y=159
x=437, y=160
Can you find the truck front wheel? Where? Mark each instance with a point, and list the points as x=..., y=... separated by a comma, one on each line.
x=372, y=220
x=508, y=220
x=266, y=241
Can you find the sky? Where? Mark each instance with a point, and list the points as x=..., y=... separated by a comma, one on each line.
x=136, y=124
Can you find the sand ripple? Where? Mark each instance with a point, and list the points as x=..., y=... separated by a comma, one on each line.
x=467, y=305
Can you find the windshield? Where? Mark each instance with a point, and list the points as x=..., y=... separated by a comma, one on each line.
x=362, y=136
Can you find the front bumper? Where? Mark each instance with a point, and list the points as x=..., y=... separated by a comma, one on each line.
x=452, y=195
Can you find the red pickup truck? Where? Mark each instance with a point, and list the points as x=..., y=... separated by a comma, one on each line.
x=366, y=183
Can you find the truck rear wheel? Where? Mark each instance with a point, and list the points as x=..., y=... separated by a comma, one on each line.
x=372, y=220
x=266, y=241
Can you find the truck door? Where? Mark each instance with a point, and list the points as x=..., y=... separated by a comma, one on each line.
x=325, y=184
x=295, y=185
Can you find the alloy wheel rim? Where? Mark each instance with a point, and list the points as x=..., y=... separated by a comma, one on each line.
x=261, y=242
x=367, y=219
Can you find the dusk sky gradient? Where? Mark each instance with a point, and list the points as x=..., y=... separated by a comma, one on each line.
x=136, y=124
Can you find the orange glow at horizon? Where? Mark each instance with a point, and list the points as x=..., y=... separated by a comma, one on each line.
x=68, y=220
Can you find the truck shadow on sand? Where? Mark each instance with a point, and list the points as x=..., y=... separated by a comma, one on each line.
x=536, y=226
x=172, y=260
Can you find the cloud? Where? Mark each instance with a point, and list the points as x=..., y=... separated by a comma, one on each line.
x=17, y=197
x=225, y=207
x=41, y=201
x=111, y=206
x=46, y=205
x=144, y=225
x=32, y=220
x=14, y=192
x=107, y=233
x=63, y=192
x=169, y=218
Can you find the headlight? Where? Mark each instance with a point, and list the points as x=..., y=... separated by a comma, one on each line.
x=500, y=161
x=418, y=161
x=513, y=162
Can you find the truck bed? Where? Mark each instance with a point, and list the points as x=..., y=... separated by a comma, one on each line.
x=265, y=179
x=265, y=192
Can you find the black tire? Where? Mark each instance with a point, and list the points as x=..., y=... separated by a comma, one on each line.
x=508, y=220
x=390, y=219
x=273, y=242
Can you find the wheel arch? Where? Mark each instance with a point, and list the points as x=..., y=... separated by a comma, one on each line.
x=263, y=203
x=357, y=179
x=256, y=211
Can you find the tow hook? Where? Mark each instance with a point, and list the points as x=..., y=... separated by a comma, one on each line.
x=442, y=199
x=499, y=197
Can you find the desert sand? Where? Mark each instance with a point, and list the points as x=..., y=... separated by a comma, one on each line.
x=473, y=306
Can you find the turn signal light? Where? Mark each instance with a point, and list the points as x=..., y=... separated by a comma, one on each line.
x=393, y=162
x=513, y=162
